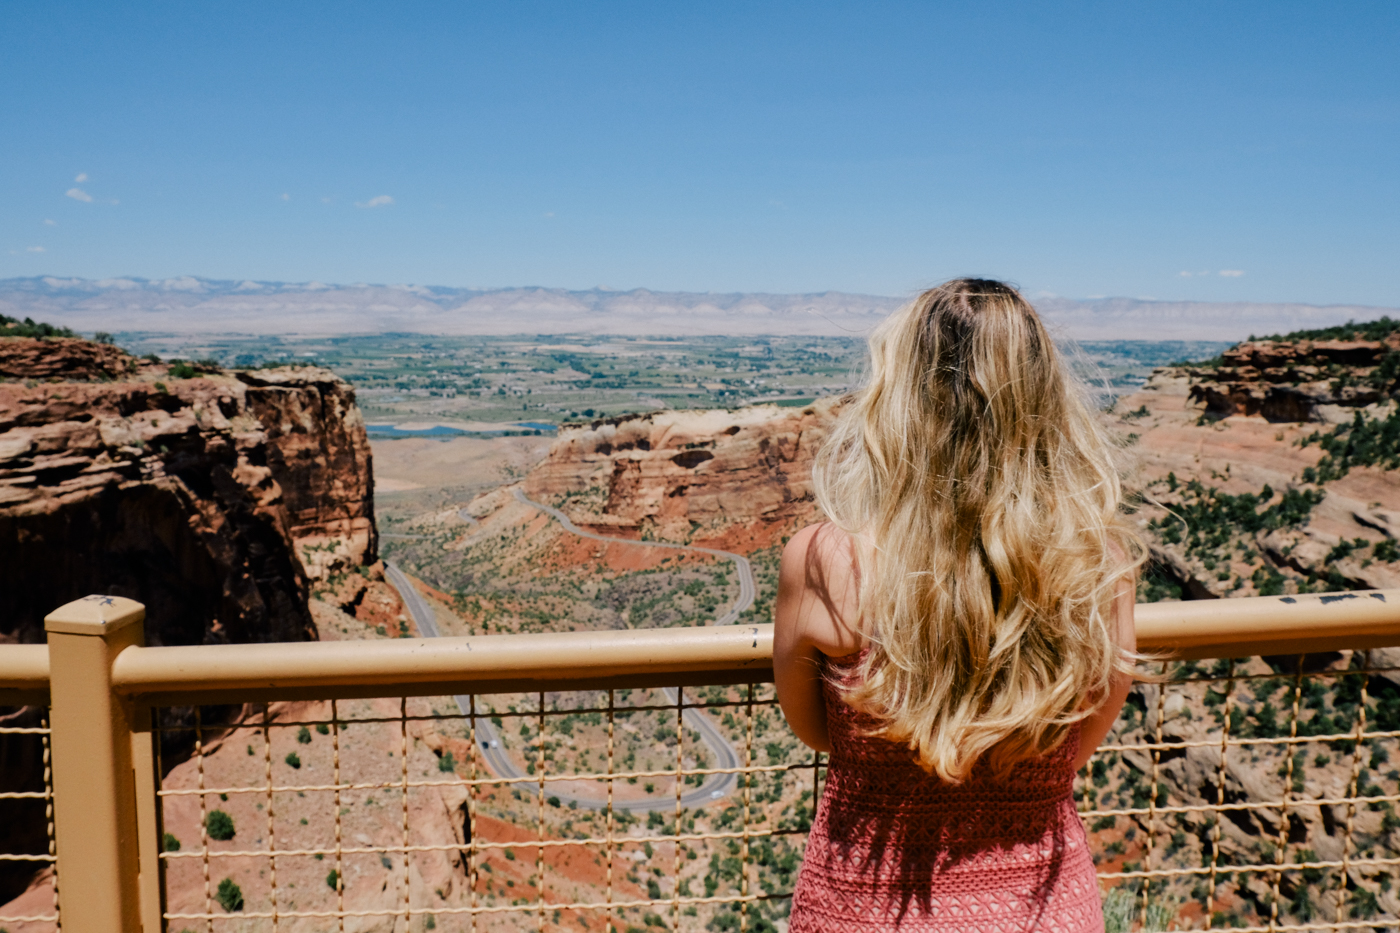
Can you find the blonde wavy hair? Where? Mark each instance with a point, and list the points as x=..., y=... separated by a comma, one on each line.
x=983, y=499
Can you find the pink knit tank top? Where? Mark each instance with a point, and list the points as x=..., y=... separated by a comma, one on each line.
x=895, y=849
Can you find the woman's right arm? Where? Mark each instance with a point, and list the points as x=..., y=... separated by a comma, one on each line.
x=816, y=593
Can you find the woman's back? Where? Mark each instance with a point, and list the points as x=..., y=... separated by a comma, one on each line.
x=976, y=581
x=895, y=848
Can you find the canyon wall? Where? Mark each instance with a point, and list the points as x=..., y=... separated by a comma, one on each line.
x=741, y=477
x=189, y=494
x=220, y=500
x=1295, y=381
x=1307, y=430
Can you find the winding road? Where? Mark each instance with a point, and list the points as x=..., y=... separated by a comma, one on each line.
x=714, y=787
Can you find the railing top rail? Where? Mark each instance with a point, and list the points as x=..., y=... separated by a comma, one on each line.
x=24, y=674
x=1269, y=625
x=488, y=663
x=24, y=667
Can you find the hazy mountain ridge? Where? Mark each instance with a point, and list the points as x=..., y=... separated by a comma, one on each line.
x=198, y=305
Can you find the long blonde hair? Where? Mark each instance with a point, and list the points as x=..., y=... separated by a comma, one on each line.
x=983, y=498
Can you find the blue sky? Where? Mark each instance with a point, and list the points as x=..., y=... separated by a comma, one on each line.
x=1078, y=149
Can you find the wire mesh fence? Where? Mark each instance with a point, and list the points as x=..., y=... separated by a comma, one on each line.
x=28, y=864
x=1250, y=794
x=1255, y=794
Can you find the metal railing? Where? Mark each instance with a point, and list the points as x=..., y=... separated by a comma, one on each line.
x=564, y=781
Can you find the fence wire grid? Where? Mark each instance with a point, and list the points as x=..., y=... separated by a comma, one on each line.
x=1255, y=794
x=31, y=896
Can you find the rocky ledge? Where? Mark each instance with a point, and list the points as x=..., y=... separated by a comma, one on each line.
x=1290, y=381
x=689, y=475
x=217, y=499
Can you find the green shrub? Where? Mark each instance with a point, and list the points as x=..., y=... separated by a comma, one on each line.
x=304, y=735
x=12, y=327
x=219, y=825
x=293, y=759
x=169, y=843
x=323, y=729
x=1121, y=906
x=447, y=762
x=229, y=896
x=333, y=880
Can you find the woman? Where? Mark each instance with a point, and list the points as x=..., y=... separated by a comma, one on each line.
x=959, y=636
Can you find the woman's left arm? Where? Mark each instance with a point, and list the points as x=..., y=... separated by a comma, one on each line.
x=1093, y=729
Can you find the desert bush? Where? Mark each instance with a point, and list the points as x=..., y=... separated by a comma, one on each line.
x=219, y=825
x=229, y=896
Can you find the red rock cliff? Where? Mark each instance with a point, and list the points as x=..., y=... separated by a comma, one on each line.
x=690, y=475
x=191, y=495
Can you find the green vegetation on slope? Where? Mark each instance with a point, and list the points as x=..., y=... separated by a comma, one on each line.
x=1366, y=441
x=1208, y=520
x=1367, y=330
x=13, y=327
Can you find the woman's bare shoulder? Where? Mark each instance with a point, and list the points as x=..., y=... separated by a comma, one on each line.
x=819, y=571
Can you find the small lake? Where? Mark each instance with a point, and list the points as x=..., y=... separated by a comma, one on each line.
x=383, y=431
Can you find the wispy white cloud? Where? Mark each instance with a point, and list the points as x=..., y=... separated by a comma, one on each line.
x=286, y=196
x=1231, y=273
x=1185, y=275
x=35, y=249
x=379, y=200
x=82, y=177
x=50, y=223
x=78, y=194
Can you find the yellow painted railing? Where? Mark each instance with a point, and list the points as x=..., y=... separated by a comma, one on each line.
x=1250, y=843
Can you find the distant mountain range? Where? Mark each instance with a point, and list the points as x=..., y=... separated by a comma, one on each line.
x=196, y=305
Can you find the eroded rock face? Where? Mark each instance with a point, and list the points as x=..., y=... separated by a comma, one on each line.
x=61, y=358
x=688, y=474
x=1289, y=382
x=194, y=496
x=1176, y=432
x=190, y=495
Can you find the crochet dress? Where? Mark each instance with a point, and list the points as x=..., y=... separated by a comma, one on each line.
x=893, y=848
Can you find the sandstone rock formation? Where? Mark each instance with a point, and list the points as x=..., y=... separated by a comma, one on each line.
x=1241, y=428
x=219, y=500
x=28, y=358
x=187, y=494
x=687, y=476
x=1295, y=381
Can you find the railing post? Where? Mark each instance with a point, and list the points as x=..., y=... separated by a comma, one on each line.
x=95, y=822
